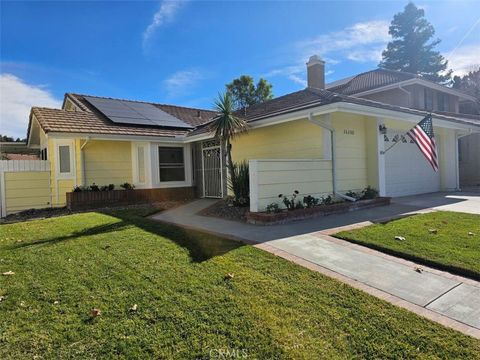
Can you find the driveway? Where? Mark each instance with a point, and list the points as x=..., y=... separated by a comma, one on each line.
x=451, y=300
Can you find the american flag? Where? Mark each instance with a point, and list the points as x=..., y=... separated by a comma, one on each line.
x=422, y=135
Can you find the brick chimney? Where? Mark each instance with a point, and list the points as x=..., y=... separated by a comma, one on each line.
x=316, y=72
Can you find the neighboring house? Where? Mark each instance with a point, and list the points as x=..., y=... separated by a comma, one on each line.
x=15, y=150
x=409, y=90
x=314, y=140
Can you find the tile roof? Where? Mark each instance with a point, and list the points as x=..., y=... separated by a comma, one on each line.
x=87, y=122
x=191, y=116
x=309, y=98
x=371, y=80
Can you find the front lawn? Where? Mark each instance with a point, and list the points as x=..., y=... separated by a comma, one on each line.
x=187, y=305
x=440, y=239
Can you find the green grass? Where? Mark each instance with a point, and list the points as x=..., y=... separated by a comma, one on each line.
x=450, y=248
x=187, y=308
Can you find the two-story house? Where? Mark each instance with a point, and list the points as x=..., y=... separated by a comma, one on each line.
x=412, y=91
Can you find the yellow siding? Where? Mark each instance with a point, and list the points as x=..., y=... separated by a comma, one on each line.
x=26, y=190
x=301, y=139
x=108, y=162
x=292, y=140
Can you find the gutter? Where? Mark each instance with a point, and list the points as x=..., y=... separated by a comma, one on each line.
x=334, y=163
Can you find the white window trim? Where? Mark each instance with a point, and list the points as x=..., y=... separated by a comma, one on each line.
x=155, y=175
x=135, y=175
x=70, y=175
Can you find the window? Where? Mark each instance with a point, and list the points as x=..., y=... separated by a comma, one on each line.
x=428, y=99
x=43, y=154
x=64, y=159
x=442, y=102
x=171, y=163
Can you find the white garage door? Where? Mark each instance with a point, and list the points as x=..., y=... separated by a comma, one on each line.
x=407, y=171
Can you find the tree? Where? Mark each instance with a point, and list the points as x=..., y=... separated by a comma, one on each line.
x=227, y=126
x=245, y=93
x=412, y=49
x=470, y=84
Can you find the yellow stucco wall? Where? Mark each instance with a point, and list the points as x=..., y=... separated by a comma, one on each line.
x=26, y=190
x=108, y=162
x=301, y=139
x=292, y=140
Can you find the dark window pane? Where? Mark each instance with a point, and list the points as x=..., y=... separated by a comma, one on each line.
x=172, y=167
x=64, y=157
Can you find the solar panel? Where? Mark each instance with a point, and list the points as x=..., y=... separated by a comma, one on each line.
x=136, y=113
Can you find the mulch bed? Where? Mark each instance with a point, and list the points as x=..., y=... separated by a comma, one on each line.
x=223, y=209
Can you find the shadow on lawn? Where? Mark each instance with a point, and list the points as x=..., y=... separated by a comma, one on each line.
x=201, y=246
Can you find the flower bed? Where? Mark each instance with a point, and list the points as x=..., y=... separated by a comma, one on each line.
x=264, y=218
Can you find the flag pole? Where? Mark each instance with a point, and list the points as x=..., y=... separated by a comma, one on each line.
x=384, y=152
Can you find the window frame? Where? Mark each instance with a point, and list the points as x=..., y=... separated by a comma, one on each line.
x=71, y=145
x=155, y=165
x=184, y=165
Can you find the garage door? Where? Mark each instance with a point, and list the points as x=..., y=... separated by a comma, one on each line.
x=407, y=171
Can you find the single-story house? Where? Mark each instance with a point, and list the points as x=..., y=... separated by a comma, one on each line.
x=315, y=140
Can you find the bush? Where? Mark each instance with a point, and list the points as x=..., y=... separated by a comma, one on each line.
x=94, y=187
x=127, y=186
x=273, y=208
x=239, y=184
x=369, y=193
x=327, y=200
x=291, y=203
x=310, y=201
x=353, y=194
x=108, y=187
x=80, y=189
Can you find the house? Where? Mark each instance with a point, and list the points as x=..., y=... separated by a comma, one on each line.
x=318, y=140
x=410, y=90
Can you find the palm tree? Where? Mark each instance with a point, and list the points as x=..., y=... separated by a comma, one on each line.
x=227, y=126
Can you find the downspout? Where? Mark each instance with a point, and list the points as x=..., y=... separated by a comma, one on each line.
x=82, y=155
x=334, y=165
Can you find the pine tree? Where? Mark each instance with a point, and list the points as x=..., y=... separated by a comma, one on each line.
x=412, y=47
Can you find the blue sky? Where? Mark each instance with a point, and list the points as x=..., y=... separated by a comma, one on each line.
x=184, y=52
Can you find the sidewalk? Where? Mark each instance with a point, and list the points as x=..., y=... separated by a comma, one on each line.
x=451, y=300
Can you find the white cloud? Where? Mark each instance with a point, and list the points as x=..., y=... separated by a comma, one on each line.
x=361, y=42
x=16, y=99
x=181, y=82
x=464, y=59
x=165, y=14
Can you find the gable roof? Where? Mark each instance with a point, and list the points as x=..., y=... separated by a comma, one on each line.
x=380, y=78
x=370, y=80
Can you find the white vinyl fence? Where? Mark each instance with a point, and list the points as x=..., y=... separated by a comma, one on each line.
x=271, y=177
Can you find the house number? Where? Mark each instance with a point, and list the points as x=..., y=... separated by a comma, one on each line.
x=349, y=132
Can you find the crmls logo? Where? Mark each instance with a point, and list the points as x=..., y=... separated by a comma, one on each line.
x=228, y=354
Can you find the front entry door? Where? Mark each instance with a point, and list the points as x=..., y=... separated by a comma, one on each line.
x=212, y=169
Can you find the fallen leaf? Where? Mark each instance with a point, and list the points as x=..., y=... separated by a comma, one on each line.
x=229, y=276
x=399, y=238
x=471, y=233
x=8, y=273
x=56, y=302
x=2, y=298
x=95, y=312
x=134, y=307
x=418, y=269
x=433, y=231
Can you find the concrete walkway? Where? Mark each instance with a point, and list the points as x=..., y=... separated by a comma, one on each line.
x=451, y=300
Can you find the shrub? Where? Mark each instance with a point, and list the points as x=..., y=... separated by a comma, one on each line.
x=273, y=208
x=290, y=203
x=310, y=201
x=94, y=187
x=127, y=186
x=108, y=187
x=80, y=189
x=240, y=184
x=111, y=187
x=353, y=194
x=327, y=200
x=369, y=193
